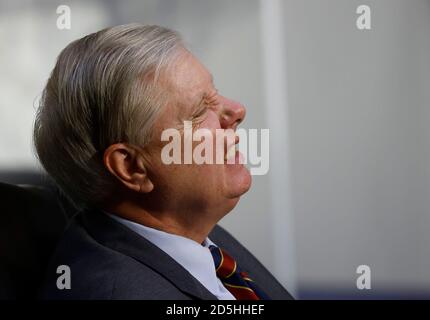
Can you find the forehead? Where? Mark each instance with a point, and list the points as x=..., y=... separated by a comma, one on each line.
x=190, y=77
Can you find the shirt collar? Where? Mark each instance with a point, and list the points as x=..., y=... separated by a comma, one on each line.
x=194, y=257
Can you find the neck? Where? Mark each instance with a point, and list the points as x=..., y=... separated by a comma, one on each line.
x=195, y=226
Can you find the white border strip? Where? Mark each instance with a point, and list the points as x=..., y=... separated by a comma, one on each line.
x=276, y=104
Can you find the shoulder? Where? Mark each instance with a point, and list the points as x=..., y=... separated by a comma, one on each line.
x=99, y=272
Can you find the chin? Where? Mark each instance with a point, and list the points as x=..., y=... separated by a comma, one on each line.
x=239, y=185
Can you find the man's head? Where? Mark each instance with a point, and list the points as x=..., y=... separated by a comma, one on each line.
x=103, y=111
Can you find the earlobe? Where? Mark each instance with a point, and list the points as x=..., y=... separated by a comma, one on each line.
x=125, y=163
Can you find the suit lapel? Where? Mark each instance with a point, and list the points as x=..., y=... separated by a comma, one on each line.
x=118, y=237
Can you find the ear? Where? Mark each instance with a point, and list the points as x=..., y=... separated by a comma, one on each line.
x=127, y=164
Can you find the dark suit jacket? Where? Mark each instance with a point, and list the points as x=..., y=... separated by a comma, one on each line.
x=109, y=261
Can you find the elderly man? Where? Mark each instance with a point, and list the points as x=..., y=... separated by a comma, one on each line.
x=146, y=229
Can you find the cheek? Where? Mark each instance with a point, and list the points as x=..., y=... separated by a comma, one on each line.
x=196, y=181
x=211, y=121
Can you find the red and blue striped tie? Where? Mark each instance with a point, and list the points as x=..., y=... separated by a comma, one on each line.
x=236, y=281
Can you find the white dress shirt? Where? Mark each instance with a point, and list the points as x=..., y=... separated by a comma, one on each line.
x=194, y=257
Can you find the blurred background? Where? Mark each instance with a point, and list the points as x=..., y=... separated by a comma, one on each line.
x=348, y=112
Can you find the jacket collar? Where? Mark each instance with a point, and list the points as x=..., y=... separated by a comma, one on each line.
x=116, y=236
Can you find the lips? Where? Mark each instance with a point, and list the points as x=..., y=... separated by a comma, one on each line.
x=231, y=156
x=230, y=152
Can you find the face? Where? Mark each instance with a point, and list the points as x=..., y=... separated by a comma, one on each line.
x=206, y=188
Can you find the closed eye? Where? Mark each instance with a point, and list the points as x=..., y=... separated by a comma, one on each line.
x=208, y=101
x=200, y=113
x=212, y=99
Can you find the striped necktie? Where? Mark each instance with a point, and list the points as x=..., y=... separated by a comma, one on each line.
x=236, y=281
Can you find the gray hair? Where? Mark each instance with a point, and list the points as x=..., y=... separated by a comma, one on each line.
x=102, y=90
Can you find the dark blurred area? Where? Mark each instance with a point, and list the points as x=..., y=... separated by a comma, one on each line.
x=33, y=215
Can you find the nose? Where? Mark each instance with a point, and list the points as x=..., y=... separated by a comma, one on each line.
x=232, y=113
